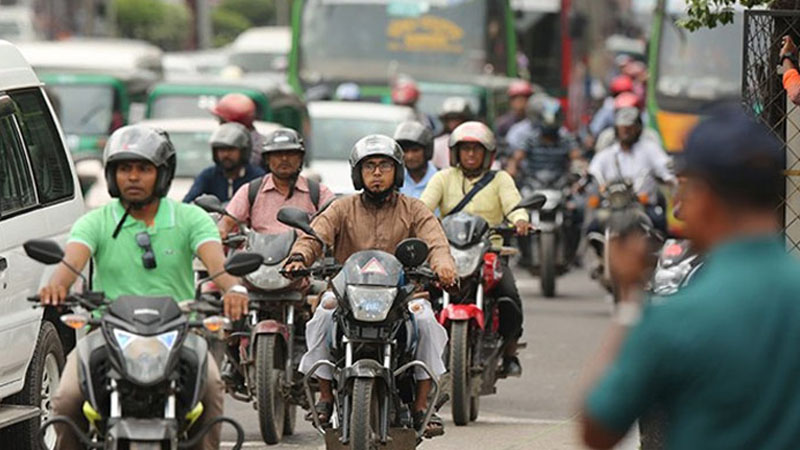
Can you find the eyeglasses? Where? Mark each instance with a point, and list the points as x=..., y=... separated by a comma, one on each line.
x=383, y=166
x=149, y=256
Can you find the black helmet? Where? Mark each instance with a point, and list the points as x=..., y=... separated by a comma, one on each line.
x=283, y=140
x=456, y=107
x=232, y=135
x=413, y=132
x=140, y=143
x=376, y=145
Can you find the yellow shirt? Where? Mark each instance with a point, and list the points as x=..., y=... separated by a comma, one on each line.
x=493, y=202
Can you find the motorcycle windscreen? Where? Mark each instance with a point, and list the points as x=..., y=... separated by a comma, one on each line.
x=275, y=249
x=464, y=229
x=369, y=280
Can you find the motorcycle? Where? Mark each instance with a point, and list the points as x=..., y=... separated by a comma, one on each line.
x=553, y=248
x=266, y=353
x=373, y=344
x=142, y=373
x=472, y=318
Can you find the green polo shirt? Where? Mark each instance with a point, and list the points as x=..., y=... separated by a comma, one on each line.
x=178, y=231
x=722, y=356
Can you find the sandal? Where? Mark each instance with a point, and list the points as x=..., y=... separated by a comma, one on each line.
x=435, y=425
x=323, y=410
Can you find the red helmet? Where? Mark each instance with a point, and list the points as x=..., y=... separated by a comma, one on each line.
x=620, y=84
x=627, y=100
x=520, y=88
x=405, y=93
x=235, y=108
x=634, y=69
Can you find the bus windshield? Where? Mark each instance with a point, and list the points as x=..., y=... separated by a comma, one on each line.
x=700, y=66
x=372, y=40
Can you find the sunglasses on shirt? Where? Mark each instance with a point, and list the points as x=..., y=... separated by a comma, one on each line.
x=149, y=256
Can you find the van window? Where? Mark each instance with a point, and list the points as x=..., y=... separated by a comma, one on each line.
x=16, y=185
x=50, y=165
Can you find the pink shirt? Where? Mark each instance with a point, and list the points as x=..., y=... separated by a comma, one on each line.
x=269, y=201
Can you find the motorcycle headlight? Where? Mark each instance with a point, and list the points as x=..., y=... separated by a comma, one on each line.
x=619, y=199
x=467, y=260
x=268, y=278
x=145, y=357
x=370, y=304
x=668, y=281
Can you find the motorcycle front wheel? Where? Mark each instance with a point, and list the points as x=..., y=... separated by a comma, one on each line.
x=364, y=418
x=460, y=365
x=547, y=260
x=270, y=403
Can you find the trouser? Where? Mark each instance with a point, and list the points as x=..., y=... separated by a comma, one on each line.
x=511, y=316
x=68, y=401
x=432, y=340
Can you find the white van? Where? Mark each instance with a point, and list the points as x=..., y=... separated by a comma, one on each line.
x=40, y=198
x=262, y=50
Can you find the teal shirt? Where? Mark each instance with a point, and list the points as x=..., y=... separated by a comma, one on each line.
x=177, y=232
x=722, y=356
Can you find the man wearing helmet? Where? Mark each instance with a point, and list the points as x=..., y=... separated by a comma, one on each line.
x=416, y=140
x=230, y=146
x=406, y=93
x=257, y=203
x=376, y=218
x=518, y=94
x=604, y=117
x=139, y=167
x=473, y=147
x=454, y=112
x=241, y=109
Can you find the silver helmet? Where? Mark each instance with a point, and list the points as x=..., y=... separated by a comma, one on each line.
x=416, y=133
x=376, y=145
x=140, y=143
x=232, y=135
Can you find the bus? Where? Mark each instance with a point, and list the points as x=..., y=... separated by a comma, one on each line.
x=688, y=72
x=372, y=42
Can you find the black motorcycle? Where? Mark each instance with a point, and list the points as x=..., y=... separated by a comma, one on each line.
x=142, y=373
x=373, y=344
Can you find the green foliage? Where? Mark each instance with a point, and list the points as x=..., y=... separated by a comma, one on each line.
x=710, y=13
x=258, y=12
x=227, y=25
x=164, y=24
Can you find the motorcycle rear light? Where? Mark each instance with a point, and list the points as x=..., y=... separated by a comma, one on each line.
x=673, y=251
x=491, y=270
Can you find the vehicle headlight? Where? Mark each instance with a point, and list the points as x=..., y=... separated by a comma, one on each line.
x=619, y=199
x=268, y=278
x=668, y=281
x=467, y=260
x=145, y=357
x=370, y=304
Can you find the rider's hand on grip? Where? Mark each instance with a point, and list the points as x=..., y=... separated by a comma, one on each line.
x=523, y=227
x=294, y=267
x=235, y=305
x=53, y=295
x=448, y=277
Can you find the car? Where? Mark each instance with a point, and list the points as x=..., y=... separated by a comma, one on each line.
x=262, y=49
x=336, y=127
x=196, y=63
x=17, y=24
x=190, y=137
x=39, y=199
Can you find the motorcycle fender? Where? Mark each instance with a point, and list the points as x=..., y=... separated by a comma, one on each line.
x=271, y=327
x=143, y=430
x=461, y=312
x=366, y=368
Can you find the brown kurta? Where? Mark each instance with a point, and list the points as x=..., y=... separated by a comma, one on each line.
x=350, y=225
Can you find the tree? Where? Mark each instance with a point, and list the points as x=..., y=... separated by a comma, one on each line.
x=227, y=25
x=259, y=12
x=710, y=13
x=164, y=24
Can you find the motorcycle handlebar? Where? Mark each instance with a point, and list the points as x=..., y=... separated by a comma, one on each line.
x=90, y=300
x=234, y=240
x=320, y=271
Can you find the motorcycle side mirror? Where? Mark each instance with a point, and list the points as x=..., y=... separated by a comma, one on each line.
x=243, y=263
x=210, y=203
x=44, y=250
x=535, y=201
x=296, y=218
x=411, y=252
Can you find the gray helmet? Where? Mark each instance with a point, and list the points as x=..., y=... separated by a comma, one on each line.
x=456, y=107
x=413, y=132
x=537, y=105
x=376, y=145
x=140, y=143
x=283, y=140
x=232, y=135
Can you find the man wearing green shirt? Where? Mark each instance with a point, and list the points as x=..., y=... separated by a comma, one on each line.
x=720, y=357
x=142, y=244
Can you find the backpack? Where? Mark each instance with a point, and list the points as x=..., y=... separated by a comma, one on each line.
x=254, y=186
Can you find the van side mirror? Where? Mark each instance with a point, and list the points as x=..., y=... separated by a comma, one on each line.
x=44, y=250
x=411, y=252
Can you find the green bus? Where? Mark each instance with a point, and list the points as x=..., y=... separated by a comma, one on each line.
x=372, y=42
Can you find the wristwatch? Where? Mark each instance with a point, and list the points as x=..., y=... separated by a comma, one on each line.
x=791, y=57
x=239, y=289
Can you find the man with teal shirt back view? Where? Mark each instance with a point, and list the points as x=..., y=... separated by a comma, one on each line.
x=142, y=244
x=721, y=357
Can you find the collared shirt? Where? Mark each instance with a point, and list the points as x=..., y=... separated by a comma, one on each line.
x=504, y=123
x=720, y=357
x=178, y=231
x=351, y=225
x=264, y=218
x=645, y=161
x=413, y=189
x=212, y=180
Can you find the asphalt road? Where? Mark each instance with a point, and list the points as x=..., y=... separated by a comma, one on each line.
x=536, y=411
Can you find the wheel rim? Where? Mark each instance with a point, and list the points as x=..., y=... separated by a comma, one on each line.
x=51, y=377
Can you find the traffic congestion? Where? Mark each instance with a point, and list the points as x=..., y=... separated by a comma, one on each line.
x=389, y=224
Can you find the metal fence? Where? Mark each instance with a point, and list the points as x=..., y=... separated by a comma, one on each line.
x=763, y=95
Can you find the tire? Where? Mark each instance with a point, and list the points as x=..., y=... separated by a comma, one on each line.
x=460, y=372
x=364, y=415
x=547, y=273
x=269, y=397
x=289, y=419
x=41, y=382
